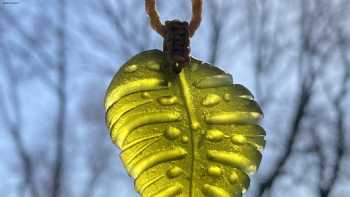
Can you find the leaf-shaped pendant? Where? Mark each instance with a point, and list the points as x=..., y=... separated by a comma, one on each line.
x=192, y=135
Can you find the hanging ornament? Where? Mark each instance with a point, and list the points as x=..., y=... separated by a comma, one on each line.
x=183, y=127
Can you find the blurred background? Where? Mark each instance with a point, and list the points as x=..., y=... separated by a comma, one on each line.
x=57, y=58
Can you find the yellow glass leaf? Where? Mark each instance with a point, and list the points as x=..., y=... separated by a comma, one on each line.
x=191, y=135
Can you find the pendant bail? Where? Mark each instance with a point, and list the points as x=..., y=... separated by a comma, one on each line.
x=176, y=45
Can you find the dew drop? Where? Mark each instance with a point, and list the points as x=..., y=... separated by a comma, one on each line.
x=211, y=100
x=168, y=100
x=145, y=95
x=233, y=178
x=251, y=169
x=184, y=139
x=172, y=133
x=214, y=171
x=174, y=172
x=131, y=68
x=239, y=139
x=215, y=135
x=195, y=125
x=249, y=97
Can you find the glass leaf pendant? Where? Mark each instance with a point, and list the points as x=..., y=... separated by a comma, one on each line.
x=192, y=134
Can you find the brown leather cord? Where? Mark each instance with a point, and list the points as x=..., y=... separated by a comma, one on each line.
x=160, y=28
x=197, y=8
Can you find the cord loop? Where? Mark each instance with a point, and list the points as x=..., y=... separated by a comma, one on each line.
x=197, y=8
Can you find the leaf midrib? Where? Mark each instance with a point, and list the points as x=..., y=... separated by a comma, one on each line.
x=186, y=95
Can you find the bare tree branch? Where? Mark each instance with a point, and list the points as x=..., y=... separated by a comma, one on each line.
x=15, y=125
x=58, y=168
x=326, y=186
